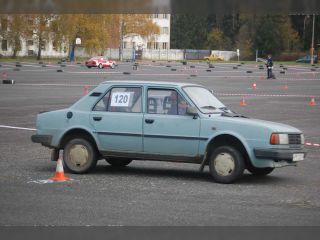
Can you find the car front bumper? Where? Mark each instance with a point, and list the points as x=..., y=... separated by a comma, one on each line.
x=278, y=154
x=45, y=140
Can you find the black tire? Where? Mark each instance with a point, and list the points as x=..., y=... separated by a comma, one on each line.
x=259, y=171
x=112, y=66
x=226, y=164
x=118, y=162
x=100, y=66
x=88, y=66
x=79, y=156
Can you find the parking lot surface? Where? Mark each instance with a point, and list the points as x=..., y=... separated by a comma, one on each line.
x=156, y=193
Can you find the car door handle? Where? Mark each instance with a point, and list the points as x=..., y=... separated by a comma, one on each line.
x=97, y=118
x=149, y=121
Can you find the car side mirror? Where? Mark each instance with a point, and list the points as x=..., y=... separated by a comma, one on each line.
x=193, y=111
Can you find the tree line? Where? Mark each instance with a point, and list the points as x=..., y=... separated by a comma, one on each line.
x=96, y=31
x=269, y=34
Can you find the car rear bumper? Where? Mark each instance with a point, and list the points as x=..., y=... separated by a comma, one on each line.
x=45, y=140
x=278, y=154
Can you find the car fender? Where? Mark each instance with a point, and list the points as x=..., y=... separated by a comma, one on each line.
x=74, y=128
x=233, y=134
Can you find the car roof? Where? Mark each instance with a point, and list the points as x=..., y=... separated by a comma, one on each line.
x=149, y=83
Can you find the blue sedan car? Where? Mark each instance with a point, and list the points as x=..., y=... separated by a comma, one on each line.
x=121, y=121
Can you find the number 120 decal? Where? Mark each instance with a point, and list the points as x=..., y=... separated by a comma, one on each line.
x=120, y=99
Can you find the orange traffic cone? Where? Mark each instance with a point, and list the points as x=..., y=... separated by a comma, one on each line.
x=254, y=85
x=85, y=89
x=312, y=101
x=59, y=175
x=243, y=102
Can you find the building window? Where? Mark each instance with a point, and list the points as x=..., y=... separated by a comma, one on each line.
x=4, y=45
x=164, y=45
x=43, y=45
x=30, y=43
x=164, y=30
x=30, y=53
x=4, y=24
x=125, y=44
x=54, y=45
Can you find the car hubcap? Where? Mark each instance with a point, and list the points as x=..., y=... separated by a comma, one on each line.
x=224, y=164
x=78, y=155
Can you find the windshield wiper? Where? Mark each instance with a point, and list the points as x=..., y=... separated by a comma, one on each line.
x=232, y=114
x=225, y=109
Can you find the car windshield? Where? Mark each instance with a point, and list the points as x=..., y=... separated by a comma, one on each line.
x=205, y=101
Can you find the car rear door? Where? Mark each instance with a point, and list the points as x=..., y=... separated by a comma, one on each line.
x=117, y=120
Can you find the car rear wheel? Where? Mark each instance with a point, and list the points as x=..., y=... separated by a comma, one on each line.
x=112, y=66
x=88, y=66
x=259, y=171
x=118, y=162
x=79, y=156
x=100, y=66
x=226, y=164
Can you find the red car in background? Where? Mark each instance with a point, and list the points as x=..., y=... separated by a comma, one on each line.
x=100, y=62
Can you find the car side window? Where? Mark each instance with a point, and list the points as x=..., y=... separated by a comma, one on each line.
x=121, y=99
x=162, y=101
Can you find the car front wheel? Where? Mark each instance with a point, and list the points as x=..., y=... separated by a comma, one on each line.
x=118, y=162
x=100, y=66
x=79, y=156
x=226, y=164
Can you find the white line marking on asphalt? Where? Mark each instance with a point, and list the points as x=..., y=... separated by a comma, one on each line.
x=41, y=181
x=95, y=72
x=55, y=84
x=262, y=95
x=20, y=128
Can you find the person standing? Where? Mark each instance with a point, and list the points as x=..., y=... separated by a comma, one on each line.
x=269, y=67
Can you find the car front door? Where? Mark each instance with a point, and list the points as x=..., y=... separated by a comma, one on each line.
x=117, y=120
x=167, y=129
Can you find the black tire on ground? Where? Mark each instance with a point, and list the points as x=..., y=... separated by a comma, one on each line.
x=226, y=164
x=118, y=162
x=100, y=66
x=79, y=156
x=88, y=66
x=112, y=66
x=259, y=171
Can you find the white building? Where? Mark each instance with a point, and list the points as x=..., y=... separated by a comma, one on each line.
x=29, y=46
x=161, y=41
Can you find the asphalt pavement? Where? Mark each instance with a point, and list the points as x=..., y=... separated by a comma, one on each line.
x=156, y=193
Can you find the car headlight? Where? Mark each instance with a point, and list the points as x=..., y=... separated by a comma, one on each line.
x=279, y=138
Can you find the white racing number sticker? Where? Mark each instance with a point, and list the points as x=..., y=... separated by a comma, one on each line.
x=120, y=99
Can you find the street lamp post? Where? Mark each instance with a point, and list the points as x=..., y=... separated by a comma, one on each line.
x=312, y=41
